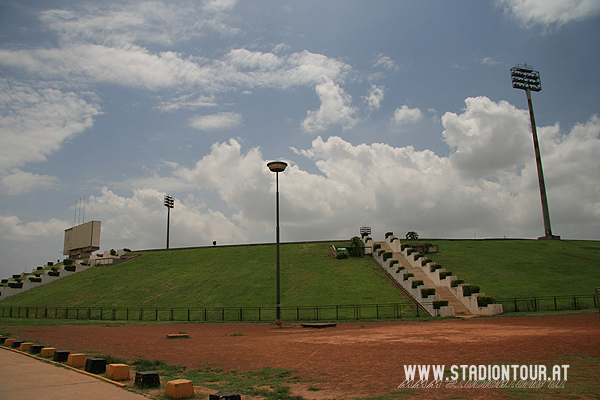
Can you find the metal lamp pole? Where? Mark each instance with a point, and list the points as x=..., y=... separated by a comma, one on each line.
x=169, y=203
x=277, y=167
x=524, y=77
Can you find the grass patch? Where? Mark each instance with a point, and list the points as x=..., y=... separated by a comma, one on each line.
x=220, y=277
x=523, y=268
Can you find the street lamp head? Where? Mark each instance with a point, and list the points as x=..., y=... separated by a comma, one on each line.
x=277, y=166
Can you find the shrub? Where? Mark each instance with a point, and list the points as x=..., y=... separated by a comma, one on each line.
x=393, y=262
x=341, y=254
x=54, y=273
x=4, y=281
x=417, y=283
x=400, y=268
x=70, y=268
x=113, y=252
x=68, y=261
x=39, y=268
x=50, y=263
x=457, y=282
x=406, y=276
x=15, y=285
x=380, y=252
x=424, y=261
x=404, y=246
x=388, y=234
x=387, y=255
x=434, y=267
x=437, y=304
x=483, y=301
x=445, y=274
x=376, y=246
x=36, y=279
x=427, y=292
x=470, y=289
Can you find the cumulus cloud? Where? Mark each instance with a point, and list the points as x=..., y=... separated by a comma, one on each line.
x=138, y=221
x=487, y=137
x=336, y=109
x=36, y=121
x=223, y=120
x=19, y=182
x=548, y=12
x=12, y=228
x=406, y=115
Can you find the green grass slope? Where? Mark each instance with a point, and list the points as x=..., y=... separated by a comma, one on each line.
x=221, y=277
x=523, y=268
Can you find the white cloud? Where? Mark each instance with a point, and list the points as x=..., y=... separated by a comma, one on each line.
x=385, y=62
x=548, y=12
x=19, y=182
x=139, y=222
x=13, y=229
x=375, y=97
x=405, y=115
x=223, y=120
x=187, y=101
x=35, y=122
x=336, y=109
x=487, y=137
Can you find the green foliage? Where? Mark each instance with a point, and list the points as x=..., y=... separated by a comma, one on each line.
x=437, y=304
x=376, y=246
x=404, y=246
x=434, y=267
x=416, y=283
x=470, y=289
x=400, y=268
x=68, y=261
x=393, y=262
x=457, y=282
x=409, y=275
x=342, y=254
x=427, y=292
x=387, y=255
x=483, y=301
x=411, y=235
x=356, y=248
x=388, y=234
x=445, y=274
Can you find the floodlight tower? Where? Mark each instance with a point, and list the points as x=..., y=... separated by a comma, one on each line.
x=169, y=203
x=524, y=77
x=277, y=167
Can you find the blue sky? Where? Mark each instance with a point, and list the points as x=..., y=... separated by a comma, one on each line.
x=398, y=115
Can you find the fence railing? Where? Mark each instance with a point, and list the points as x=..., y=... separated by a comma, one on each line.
x=295, y=313
x=220, y=314
x=549, y=303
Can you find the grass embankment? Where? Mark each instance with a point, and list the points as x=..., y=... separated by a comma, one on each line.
x=523, y=268
x=220, y=277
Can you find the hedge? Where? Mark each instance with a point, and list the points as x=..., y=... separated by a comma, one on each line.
x=483, y=301
x=387, y=255
x=445, y=274
x=457, y=282
x=470, y=289
x=437, y=304
x=417, y=283
x=409, y=275
x=427, y=292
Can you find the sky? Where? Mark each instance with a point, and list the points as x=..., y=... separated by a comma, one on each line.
x=398, y=115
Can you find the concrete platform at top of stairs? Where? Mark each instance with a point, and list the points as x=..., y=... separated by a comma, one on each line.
x=26, y=378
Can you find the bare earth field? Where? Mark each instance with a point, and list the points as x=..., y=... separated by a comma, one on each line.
x=357, y=359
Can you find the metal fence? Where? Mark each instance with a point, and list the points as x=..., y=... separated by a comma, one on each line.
x=220, y=314
x=296, y=313
x=549, y=303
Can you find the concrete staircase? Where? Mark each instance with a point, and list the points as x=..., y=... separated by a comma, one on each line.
x=443, y=292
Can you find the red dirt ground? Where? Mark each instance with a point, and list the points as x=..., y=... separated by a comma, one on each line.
x=357, y=359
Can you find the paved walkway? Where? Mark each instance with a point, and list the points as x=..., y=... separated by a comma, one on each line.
x=25, y=378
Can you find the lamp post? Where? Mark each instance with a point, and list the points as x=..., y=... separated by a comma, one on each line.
x=277, y=167
x=524, y=77
x=169, y=203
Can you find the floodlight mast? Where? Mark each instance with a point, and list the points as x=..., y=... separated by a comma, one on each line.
x=524, y=77
x=169, y=203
